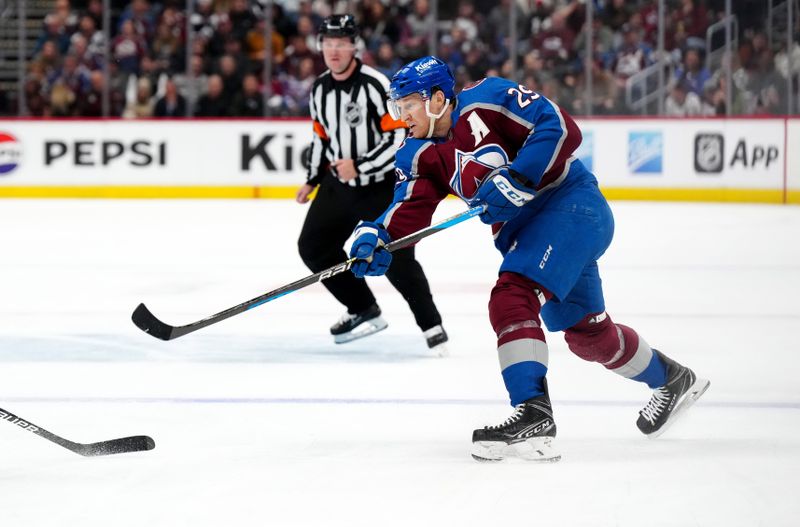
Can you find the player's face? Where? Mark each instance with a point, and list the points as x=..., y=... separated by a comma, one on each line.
x=338, y=53
x=411, y=110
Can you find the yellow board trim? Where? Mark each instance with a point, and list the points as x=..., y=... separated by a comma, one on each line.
x=154, y=192
x=729, y=195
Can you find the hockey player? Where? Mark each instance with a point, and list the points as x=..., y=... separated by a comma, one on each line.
x=510, y=149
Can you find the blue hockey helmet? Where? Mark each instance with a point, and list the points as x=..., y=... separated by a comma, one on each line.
x=422, y=76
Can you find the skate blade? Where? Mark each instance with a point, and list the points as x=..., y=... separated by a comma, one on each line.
x=364, y=329
x=539, y=449
x=441, y=350
x=689, y=398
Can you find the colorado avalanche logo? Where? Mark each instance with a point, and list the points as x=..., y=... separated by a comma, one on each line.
x=10, y=153
x=472, y=167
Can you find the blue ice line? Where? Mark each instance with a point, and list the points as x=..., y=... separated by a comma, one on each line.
x=773, y=405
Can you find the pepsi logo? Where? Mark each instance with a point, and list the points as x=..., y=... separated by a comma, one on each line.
x=10, y=153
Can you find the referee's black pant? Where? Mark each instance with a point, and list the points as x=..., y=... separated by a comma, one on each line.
x=331, y=219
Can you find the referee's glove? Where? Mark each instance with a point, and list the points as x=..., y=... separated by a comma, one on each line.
x=368, y=248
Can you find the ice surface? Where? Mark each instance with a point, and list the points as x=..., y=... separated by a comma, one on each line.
x=262, y=420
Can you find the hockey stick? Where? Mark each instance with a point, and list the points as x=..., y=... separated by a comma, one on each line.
x=102, y=448
x=148, y=323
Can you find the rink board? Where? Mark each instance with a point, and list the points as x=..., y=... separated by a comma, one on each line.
x=742, y=159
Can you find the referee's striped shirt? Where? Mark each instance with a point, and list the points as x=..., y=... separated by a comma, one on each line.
x=351, y=122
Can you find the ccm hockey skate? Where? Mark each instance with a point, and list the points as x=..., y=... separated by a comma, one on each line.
x=355, y=326
x=680, y=392
x=527, y=434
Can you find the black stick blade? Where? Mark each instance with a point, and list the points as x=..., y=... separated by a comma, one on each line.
x=147, y=322
x=122, y=445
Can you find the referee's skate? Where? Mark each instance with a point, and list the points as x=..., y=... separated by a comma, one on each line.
x=354, y=326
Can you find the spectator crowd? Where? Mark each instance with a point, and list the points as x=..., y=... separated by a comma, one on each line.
x=147, y=74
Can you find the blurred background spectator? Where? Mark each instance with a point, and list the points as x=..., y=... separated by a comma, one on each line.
x=213, y=103
x=683, y=102
x=214, y=56
x=141, y=105
x=172, y=104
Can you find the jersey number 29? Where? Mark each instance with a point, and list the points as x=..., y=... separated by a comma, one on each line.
x=524, y=95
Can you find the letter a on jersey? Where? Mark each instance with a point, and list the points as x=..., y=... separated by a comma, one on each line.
x=478, y=127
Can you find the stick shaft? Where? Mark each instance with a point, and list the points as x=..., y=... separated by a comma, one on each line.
x=149, y=323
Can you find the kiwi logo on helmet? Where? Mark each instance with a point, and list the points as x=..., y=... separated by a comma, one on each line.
x=423, y=76
x=425, y=65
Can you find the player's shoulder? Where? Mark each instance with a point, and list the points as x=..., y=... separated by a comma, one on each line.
x=487, y=84
x=411, y=147
x=407, y=155
x=487, y=90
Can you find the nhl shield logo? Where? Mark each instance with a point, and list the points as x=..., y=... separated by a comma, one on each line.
x=709, y=152
x=353, y=114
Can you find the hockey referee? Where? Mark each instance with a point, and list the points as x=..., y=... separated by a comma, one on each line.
x=352, y=162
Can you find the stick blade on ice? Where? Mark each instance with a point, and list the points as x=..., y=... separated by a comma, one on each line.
x=147, y=322
x=122, y=445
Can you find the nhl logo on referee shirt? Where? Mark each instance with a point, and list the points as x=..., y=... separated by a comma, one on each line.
x=352, y=114
x=709, y=151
